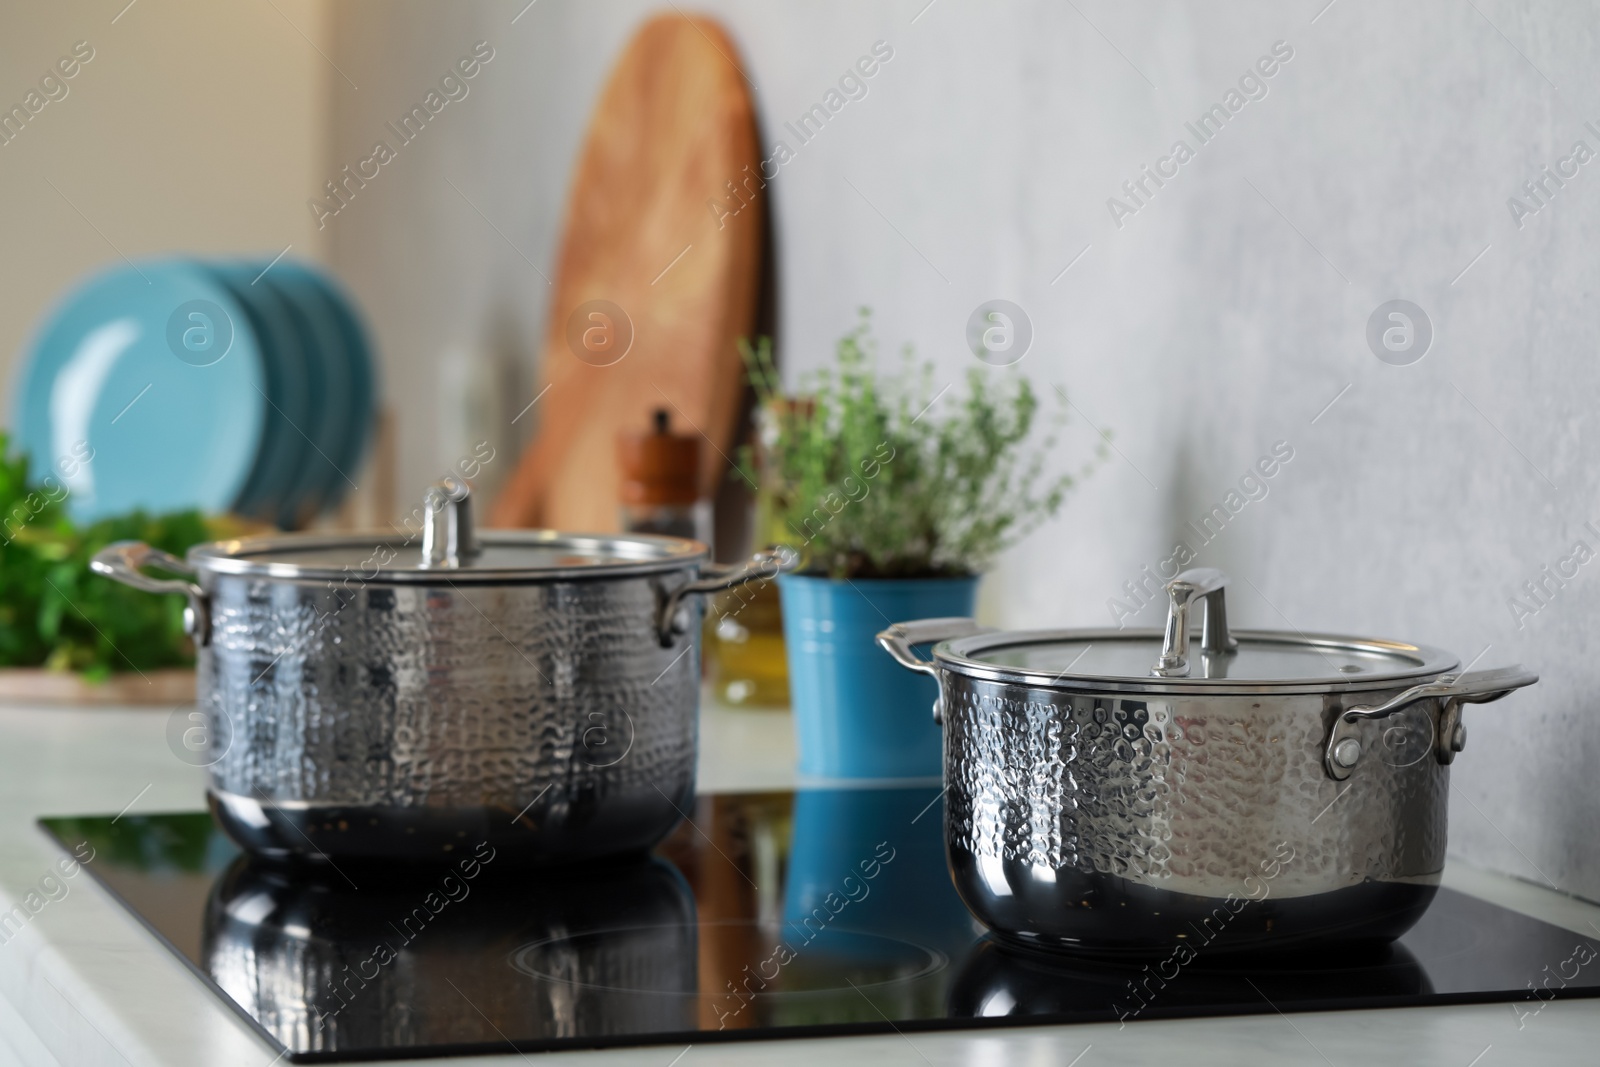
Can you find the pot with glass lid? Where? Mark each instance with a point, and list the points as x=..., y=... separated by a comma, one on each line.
x=1120, y=792
x=376, y=696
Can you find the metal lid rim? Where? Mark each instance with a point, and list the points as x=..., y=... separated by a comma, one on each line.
x=954, y=657
x=232, y=558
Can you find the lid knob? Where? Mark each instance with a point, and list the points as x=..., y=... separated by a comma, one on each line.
x=448, y=538
x=1215, y=640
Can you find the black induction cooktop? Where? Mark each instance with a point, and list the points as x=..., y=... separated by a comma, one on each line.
x=766, y=915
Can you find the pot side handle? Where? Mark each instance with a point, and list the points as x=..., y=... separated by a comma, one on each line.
x=1476, y=687
x=125, y=561
x=900, y=638
x=763, y=566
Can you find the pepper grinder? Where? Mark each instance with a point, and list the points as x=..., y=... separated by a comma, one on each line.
x=661, y=483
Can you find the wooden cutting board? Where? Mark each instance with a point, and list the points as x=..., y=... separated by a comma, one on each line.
x=37, y=687
x=673, y=127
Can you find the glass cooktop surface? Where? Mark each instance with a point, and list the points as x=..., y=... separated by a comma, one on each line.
x=819, y=912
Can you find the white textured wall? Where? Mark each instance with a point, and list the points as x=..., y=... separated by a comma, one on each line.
x=1223, y=317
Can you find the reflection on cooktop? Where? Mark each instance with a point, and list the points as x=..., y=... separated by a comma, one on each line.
x=421, y=959
x=781, y=914
x=996, y=982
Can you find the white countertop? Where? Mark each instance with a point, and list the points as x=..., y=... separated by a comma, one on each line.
x=84, y=984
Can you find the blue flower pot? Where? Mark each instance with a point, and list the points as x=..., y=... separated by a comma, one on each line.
x=857, y=713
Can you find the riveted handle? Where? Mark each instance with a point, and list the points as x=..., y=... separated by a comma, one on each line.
x=1477, y=687
x=766, y=565
x=125, y=562
x=1207, y=584
x=900, y=639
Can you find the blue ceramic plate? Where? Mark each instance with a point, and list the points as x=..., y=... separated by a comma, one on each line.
x=143, y=389
x=357, y=352
x=338, y=416
x=277, y=482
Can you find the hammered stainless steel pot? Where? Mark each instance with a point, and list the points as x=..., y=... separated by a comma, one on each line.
x=365, y=696
x=1108, y=795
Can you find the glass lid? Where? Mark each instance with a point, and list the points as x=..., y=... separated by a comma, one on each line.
x=447, y=549
x=1174, y=661
x=1126, y=660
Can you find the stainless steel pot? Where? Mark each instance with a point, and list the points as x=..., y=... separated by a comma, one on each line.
x=366, y=696
x=1107, y=794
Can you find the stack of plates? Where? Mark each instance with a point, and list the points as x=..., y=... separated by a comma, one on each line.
x=234, y=387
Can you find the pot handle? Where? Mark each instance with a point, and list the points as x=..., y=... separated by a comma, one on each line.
x=1478, y=687
x=1205, y=584
x=899, y=639
x=671, y=620
x=124, y=561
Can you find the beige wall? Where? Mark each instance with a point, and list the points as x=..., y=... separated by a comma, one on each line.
x=196, y=127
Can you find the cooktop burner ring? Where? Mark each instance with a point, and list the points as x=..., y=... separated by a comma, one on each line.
x=762, y=977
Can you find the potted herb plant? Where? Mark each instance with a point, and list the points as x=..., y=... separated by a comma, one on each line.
x=899, y=490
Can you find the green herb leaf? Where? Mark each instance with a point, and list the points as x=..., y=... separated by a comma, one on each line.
x=54, y=611
x=872, y=481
